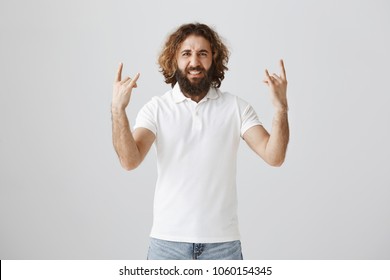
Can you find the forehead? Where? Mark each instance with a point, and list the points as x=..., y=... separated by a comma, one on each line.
x=195, y=43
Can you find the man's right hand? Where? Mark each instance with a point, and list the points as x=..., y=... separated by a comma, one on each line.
x=122, y=90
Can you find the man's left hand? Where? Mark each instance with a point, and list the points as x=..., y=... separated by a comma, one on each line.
x=278, y=87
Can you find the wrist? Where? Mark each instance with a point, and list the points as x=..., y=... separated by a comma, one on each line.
x=117, y=110
x=281, y=110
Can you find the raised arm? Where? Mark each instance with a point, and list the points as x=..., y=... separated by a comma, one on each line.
x=131, y=148
x=272, y=147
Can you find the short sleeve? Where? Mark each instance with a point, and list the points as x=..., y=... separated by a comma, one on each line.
x=147, y=117
x=249, y=119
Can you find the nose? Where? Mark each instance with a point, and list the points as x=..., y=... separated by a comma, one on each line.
x=194, y=61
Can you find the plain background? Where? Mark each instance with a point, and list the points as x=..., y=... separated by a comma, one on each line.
x=63, y=194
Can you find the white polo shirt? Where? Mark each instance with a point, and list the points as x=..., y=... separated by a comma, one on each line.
x=195, y=197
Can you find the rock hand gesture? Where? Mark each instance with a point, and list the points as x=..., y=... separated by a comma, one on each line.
x=278, y=86
x=122, y=90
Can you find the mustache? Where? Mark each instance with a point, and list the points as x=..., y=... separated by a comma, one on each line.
x=197, y=68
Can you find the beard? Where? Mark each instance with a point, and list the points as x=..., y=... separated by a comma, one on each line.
x=199, y=86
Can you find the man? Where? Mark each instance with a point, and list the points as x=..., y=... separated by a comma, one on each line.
x=196, y=130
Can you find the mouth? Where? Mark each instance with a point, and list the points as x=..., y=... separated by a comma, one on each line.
x=195, y=73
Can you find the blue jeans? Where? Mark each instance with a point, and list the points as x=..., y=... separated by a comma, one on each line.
x=171, y=250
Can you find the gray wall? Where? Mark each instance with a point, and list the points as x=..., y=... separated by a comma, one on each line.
x=63, y=194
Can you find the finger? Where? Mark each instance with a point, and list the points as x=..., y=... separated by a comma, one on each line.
x=268, y=78
x=276, y=77
x=119, y=73
x=133, y=82
x=283, y=70
x=129, y=83
x=125, y=80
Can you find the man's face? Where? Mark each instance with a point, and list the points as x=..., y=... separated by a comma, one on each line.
x=194, y=59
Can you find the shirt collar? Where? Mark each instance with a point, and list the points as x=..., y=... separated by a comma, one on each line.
x=178, y=96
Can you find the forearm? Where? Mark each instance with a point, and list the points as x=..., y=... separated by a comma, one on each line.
x=123, y=140
x=277, y=144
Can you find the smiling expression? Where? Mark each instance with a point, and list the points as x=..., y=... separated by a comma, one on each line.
x=194, y=57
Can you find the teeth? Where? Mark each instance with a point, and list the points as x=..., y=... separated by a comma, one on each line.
x=194, y=72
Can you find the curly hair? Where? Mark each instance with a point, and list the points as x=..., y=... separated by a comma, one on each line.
x=167, y=57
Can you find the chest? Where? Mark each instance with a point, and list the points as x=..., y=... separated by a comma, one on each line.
x=207, y=123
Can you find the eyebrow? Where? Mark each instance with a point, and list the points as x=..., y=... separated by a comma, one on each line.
x=188, y=50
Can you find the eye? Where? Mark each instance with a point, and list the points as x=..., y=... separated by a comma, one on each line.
x=203, y=54
x=185, y=54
